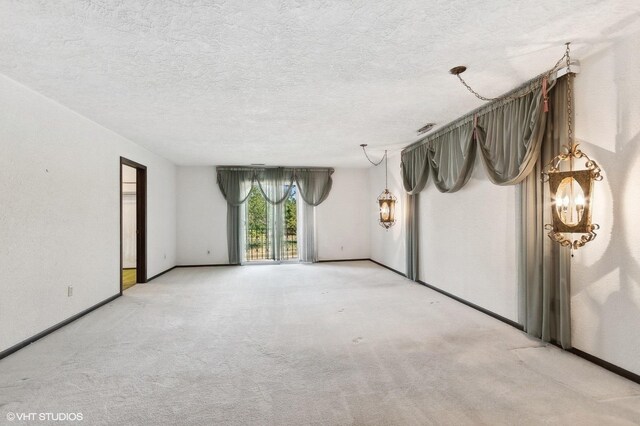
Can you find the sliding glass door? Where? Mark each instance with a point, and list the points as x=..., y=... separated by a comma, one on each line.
x=270, y=230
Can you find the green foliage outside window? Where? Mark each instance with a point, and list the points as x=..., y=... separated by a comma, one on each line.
x=257, y=243
x=257, y=211
x=290, y=213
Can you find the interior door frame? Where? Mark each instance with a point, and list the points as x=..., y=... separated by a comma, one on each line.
x=141, y=219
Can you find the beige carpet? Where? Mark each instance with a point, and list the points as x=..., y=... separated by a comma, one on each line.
x=323, y=344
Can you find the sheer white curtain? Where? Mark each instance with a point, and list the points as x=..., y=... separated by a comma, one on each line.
x=314, y=186
x=275, y=185
x=307, y=241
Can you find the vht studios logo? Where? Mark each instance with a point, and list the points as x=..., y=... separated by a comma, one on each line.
x=44, y=417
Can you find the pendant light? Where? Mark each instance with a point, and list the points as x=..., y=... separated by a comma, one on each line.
x=386, y=200
x=571, y=190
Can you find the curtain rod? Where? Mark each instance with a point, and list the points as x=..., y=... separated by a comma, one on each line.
x=531, y=84
x=272, y=167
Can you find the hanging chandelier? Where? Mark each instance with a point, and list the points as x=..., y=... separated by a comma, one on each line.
x=571, y=190
x=386, y=200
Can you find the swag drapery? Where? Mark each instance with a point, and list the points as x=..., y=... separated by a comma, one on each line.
x=275, y=183
x=513, y=136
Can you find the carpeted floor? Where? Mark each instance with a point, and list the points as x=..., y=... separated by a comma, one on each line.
x=323, y=344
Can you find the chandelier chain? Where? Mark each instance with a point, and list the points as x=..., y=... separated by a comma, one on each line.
x=513, y=97
x=569, y=99
x=370, y=160
x=386, y=171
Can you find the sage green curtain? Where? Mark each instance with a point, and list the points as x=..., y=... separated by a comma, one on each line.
x=544, y=266
x=452, y=156
x=275, y=184
x=314, y=186
x=516, y=138
x=235, y=185
x=415, y=169
x=412, y=230
x=307, y=250
x=414, y=165
x=510, y=133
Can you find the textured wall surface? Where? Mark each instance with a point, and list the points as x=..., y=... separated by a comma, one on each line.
x=342, y=219
x=202, y=218
x=59, y=212
x=605, y=274
x=285, y=82
x=468, y=243
x=454, y=232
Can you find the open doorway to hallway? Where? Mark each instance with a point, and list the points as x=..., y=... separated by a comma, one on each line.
x=132, y=223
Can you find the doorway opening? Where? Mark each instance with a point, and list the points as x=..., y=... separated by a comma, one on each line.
x=133, y=223
x=271, y=230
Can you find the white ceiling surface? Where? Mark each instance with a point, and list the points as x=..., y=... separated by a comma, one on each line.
x=287, y=82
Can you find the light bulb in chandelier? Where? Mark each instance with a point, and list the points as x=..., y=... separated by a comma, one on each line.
x=387, y=204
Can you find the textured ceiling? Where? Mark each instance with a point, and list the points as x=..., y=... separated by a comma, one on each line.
x=288, y=82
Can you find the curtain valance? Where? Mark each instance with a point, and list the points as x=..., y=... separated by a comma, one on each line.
x=235, y=185
x=415, y=169
x=451, y=157
x=314, y=184
x=275, y=183
x=510, y=136
x=509, y=133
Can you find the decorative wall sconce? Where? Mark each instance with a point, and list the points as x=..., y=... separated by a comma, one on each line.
x=386, y=200
x=571, y=190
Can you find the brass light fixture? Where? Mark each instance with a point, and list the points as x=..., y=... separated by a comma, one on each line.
x=386, y=200
x=571, y=190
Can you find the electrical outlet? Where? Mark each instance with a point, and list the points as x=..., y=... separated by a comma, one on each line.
x=341, y=248
x=208, y=251
x=165, y=256
x=70, y=291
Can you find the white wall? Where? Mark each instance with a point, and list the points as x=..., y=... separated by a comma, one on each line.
x=605, y=274
x=387, y=246
x=467, y=243
x=59, y=212
x=341, y=220
x=202, y=218
x=454, y=231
